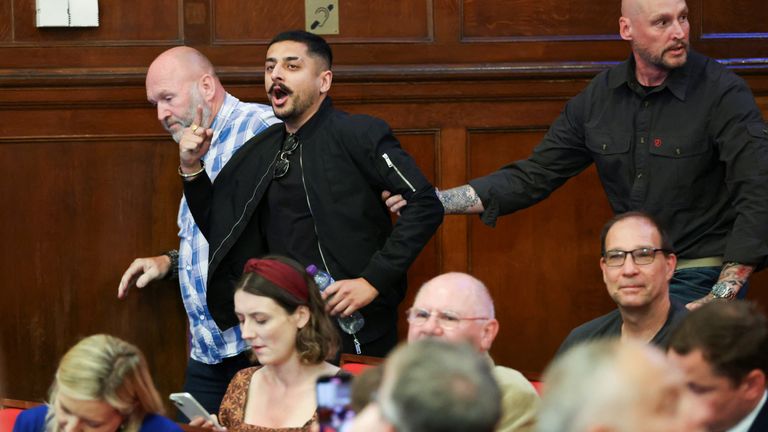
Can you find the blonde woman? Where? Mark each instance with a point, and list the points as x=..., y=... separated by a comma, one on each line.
x=102, y=384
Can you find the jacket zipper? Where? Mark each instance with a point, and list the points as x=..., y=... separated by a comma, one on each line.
x=245, y=209
x=314, y=224
x=391, y=165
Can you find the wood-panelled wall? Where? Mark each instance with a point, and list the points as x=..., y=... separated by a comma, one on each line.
x=89, y=183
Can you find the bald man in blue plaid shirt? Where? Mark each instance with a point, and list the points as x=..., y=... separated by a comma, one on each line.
x=180, y=82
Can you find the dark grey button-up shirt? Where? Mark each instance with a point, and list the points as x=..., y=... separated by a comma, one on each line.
x=693, y=152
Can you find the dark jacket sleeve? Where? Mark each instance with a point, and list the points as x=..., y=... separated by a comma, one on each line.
x=561, y=155
x=393, y=169
x=742, y=139
x=199, y=195
x=233, y=189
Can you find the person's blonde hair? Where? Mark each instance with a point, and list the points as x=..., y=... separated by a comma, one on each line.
x=107, y=369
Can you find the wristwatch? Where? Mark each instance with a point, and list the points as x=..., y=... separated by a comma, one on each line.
x=173, y=271
x=722, y=290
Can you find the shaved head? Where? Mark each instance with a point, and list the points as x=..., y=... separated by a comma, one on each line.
x=658, y=32
x=182, y=60
x=471, y=288
x=179, y=81
x=631, y=8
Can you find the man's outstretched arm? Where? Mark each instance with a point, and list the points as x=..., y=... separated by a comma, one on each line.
x=459, y=200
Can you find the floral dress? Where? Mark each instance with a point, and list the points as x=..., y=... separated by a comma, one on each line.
x=232, y=411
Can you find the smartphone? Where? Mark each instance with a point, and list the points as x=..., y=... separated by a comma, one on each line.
x=191, y=408
x=334, y=395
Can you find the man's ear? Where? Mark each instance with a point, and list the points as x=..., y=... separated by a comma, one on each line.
x=604, y=269
x=753, y=384
x=207, y=87
x=671, y=265
x=625, y=28
x=490, y=330
x=326, y=77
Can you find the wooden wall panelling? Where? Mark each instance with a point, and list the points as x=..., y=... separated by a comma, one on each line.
x=130, y=22
x=373, y=21
x=513, y=20
x=758, y=289
x=244, y=21
x=45, y=47
x=373, y=33
x=446, y=22
x=6, y=21
x=197, y=22
x=81, y=122
x=454, y=172
x=76, y=212
x=738, y=19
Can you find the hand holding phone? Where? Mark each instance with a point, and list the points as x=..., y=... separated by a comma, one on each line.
x=191, y=408
x=334, y=395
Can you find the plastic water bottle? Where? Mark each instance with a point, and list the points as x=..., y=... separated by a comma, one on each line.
x=351, y=324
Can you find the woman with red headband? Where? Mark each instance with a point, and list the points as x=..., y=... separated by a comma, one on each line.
x=283, y=318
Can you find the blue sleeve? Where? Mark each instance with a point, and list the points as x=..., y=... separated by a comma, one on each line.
x=31, y=420
x=158, y=423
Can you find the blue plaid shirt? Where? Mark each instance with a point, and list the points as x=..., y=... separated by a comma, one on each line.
x=235, y=124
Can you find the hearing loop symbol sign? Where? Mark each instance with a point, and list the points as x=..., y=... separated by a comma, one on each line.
x=322, y=16
x=326, y=12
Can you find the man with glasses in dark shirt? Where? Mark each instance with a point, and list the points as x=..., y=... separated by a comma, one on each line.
x=637, y=263
x=672, y=133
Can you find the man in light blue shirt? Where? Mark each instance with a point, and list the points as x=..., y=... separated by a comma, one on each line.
x=182, y=82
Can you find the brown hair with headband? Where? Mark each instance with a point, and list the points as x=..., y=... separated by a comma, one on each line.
x=287, y=283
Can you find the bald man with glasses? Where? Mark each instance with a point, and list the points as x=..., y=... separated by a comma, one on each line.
x=457, y=307
x=637, y=261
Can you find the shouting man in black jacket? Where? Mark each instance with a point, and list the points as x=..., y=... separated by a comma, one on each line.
x=309, y=188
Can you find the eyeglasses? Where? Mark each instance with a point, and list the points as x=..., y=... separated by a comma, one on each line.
x=640, y=256
x=289, y=146
x=446, y=319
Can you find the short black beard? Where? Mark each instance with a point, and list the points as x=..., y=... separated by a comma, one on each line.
x=658, y=61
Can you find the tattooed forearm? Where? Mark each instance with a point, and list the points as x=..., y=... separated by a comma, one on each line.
x=735, y=271
x=461, y=200
x=735, y=274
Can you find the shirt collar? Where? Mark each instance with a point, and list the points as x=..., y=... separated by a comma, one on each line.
x=746, y=422
x=676, y=82
x=221, y=119
x=313, y=124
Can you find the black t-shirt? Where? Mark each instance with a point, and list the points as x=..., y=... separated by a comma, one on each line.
x=609, y=326
x=286, y=218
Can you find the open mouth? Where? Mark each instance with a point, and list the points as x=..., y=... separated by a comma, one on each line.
x=279, y=94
